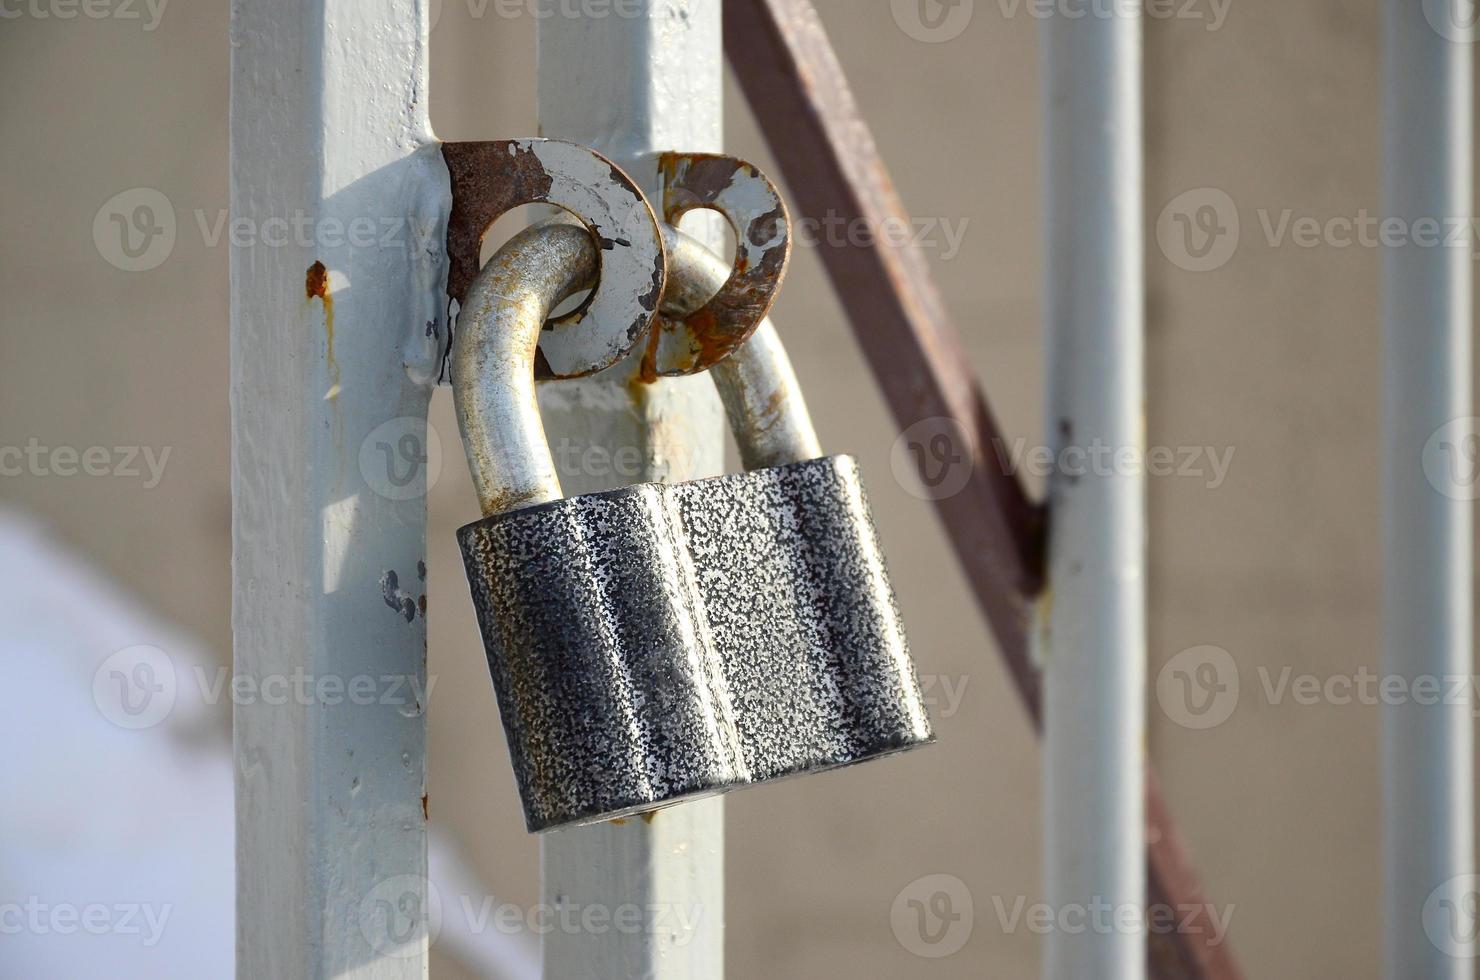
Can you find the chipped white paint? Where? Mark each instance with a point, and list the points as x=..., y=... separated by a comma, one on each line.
x=660, y=82
x=329, y=343
x=613, y=211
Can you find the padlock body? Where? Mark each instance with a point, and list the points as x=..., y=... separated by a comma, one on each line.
x=657, y=643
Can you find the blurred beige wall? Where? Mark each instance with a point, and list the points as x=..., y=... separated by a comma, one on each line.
x=1273, y=355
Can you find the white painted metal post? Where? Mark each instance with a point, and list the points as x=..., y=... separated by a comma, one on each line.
x=339, y=201
x=1429, y=475
x=645, y=78
x=1092, y=639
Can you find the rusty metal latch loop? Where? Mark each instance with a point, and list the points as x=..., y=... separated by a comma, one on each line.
x=751, y=204
x=491, y=178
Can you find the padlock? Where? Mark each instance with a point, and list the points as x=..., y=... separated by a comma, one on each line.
x=658, y=643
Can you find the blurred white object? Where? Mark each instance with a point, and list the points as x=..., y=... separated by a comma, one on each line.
x=116, y=850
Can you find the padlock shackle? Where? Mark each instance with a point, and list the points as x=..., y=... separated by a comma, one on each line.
x=762, y=398
x=493, y=362
x=494, y=350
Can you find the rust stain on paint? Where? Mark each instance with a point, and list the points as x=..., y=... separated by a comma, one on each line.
x=316, y=286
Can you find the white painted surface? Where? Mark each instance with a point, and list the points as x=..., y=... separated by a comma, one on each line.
x=1428, y=473
x=632, y=88
x=329, y=128
x=1092, y=638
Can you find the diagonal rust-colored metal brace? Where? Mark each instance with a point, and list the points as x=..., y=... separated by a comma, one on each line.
x=799, y=94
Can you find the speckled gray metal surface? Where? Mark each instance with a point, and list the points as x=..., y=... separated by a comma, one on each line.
x=657, y=643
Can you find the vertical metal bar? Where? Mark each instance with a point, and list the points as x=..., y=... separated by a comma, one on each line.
x=796, y=88
x=1092, y=639
x=1428, y=473
x=339, y=188
x=644, y=78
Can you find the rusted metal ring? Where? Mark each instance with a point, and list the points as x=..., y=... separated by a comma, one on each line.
x=491, y=178
x=752, y=205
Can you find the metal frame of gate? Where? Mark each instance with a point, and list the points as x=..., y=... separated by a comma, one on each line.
x=334, y=345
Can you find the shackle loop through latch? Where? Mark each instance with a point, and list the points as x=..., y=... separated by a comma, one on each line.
x=493, y=363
